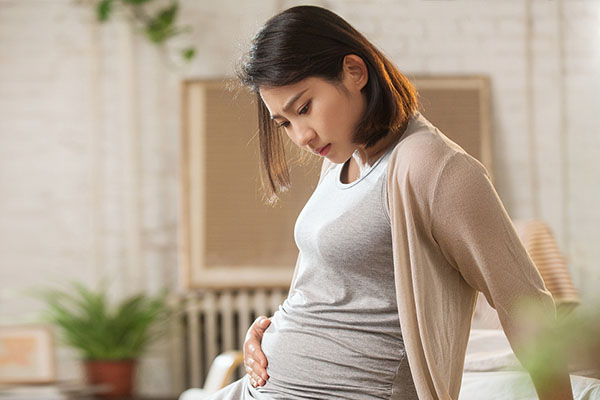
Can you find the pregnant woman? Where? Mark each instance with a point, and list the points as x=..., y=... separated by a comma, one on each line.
x=401, y=232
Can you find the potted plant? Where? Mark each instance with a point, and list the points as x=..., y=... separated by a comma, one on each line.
x=109, y=339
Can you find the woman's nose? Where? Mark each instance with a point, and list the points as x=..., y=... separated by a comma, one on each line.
x=304, y=136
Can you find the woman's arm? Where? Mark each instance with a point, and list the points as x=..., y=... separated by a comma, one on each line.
x=477, y=237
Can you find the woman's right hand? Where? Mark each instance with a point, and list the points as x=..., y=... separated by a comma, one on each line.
x=254, y=359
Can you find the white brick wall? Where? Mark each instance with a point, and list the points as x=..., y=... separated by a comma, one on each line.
x=582, y=152
x=89, y=129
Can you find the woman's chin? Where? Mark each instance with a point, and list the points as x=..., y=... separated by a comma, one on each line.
x=337, y=158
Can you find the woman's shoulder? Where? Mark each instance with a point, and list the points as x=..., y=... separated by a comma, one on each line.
x=423, y=152
x=424, y=142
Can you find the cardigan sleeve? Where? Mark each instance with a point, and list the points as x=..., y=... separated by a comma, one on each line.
x=476, y=236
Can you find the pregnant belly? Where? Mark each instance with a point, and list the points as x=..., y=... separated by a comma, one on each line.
x=330, y=362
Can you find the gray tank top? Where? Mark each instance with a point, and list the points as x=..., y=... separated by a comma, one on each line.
x=337, y=335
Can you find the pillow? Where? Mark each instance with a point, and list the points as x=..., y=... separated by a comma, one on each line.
x=547, y=257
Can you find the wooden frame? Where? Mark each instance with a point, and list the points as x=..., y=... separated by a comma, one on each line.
x=221, y=198
x=229, y=236
x=27, y=354
x=460, y=107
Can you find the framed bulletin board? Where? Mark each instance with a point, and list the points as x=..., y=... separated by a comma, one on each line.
x=229, y=237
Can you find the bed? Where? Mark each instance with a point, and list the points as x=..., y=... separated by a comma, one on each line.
x=492, y=371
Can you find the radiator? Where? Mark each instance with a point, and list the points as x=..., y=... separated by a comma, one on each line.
x=215, y=321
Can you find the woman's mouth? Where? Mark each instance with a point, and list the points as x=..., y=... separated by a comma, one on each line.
x=323, y=152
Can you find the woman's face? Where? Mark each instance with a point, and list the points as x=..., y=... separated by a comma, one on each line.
x=318, y=116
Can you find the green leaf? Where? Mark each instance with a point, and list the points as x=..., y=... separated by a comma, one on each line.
x=188, y=53
x=167, y=15
x=160, y=27
x=104, y=9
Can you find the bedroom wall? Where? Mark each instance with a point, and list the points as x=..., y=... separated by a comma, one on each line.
x=90, y=127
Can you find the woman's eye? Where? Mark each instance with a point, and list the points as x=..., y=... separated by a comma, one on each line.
x=304, y=109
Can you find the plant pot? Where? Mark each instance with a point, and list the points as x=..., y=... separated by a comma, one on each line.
x=117, y=375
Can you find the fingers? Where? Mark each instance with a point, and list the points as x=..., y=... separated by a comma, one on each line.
x=254, y=359
x=257, y=368
x=256, y=354
x=256, y=371
x=255, y=380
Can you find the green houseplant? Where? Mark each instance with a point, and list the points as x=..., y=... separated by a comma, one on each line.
x=109, y=338
x=155, y=19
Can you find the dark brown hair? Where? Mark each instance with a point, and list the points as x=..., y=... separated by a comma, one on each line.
x=310, y=41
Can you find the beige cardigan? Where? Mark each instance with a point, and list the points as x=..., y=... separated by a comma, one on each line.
x=452, y=237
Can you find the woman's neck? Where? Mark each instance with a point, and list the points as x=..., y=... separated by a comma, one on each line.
x=372, y=154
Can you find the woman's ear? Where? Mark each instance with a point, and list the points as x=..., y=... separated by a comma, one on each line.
x=355, y=71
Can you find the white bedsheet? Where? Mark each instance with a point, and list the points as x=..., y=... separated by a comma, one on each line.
x=489, y=350
x=516, y=385
x=492, y=371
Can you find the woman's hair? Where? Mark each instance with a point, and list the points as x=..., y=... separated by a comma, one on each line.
x=310, y=41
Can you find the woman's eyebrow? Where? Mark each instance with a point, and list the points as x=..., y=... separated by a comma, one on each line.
x=289, y=103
